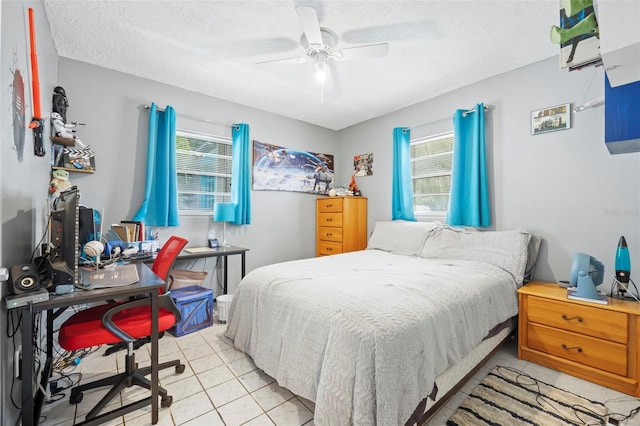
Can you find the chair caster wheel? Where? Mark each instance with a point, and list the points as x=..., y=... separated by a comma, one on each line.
x=166, y=402
x=180, y=368
x=75, y=399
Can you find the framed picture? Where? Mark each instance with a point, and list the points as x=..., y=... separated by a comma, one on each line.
x=363, y=165
x=551, y=119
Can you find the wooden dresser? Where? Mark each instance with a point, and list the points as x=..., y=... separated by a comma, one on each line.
x=341, y=225
x=598, y=343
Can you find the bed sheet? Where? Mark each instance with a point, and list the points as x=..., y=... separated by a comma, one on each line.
x=364, y=334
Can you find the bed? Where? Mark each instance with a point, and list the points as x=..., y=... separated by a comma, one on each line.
x=378, y=336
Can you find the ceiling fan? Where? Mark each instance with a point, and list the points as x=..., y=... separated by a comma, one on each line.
x=319, y=44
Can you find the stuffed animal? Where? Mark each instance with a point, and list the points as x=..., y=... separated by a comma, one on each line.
x=59, y=182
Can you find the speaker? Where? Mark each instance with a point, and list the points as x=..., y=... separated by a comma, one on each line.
x=24, y=278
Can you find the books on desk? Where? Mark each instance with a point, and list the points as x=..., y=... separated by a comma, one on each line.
x=129, y=230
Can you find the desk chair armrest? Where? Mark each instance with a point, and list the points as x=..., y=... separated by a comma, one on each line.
x=164, y=301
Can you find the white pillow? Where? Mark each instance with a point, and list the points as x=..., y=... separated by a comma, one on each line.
x=400, y=237
x=505, y=249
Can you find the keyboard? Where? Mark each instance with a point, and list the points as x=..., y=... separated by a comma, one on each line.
x=138, y=256
x=195, y=250
x=117, y=276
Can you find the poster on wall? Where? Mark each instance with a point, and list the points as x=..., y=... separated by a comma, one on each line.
x=363, y=165
x=276, y=168
x=577, y=35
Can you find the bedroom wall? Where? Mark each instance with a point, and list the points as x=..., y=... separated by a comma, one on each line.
x=111, y=104
x=563, y=186
x=24, y=178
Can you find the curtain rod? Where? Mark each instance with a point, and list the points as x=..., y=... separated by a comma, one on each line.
x=191, y=117
x=487, y=107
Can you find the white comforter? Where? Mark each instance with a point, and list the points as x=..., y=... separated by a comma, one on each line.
x=364, y=334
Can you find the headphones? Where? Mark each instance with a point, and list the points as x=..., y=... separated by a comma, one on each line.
x=93, y=248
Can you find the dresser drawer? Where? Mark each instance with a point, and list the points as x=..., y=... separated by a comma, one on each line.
x=597, y=353
x=330, y=219
x=326, y=233
x=330, y=205
x=601, y=323
x=326, y=248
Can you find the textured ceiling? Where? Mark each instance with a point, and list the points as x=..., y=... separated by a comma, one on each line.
x=211, y=47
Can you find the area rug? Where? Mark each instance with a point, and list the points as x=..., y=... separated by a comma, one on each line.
x=508, y=397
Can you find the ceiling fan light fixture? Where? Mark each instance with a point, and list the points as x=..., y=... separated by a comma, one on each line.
x=321, y=71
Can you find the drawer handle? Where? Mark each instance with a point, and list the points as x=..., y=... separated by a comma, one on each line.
x=566, y=348
x=329, y=205
x=329, y=234
x=329, y=220
x=566, y=318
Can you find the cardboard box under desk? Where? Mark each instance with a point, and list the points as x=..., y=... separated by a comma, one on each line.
x=196, y=307
x=187, y=278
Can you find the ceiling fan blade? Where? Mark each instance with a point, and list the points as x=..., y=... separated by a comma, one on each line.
x=279, y=62
x=310, y=25
x=368, y=51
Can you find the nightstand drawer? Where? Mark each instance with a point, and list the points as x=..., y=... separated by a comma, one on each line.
x=330, y=219
x=326, y=233
x=325, y=248
x=330, y=205
x=597, y=353
x=595, y=322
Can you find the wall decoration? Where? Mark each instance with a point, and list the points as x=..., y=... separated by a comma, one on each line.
x=18, y=109
x=276, y=168
x=551, y=119
x=37, y=122
x=577, y=35
x=74, y=159
x=363, y=164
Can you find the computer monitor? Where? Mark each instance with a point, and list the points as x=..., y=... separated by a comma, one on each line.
x=62, y=265
x=90, y=227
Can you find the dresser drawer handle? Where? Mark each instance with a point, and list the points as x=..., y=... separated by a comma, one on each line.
x=566, y=318
x=329, y=220
x=329, y=205
x=329, y=234
x=566, y=348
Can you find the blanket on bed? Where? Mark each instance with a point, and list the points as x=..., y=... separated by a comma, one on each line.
x=364, y=334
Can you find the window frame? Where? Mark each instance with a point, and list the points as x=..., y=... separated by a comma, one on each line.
x=219, y=196
x=433, y=215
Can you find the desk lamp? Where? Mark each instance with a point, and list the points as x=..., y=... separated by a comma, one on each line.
x=224, y=212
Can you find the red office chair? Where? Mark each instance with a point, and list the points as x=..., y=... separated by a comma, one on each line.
x=125, y=322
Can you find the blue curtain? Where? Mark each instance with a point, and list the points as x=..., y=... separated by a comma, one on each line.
x=240, y=173
x=469, y=196
x=402, y=188
x=160, y=204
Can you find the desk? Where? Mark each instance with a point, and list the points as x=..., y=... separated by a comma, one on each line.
x=148, y=285
x=223, y=252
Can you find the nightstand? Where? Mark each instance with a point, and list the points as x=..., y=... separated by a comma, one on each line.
x=594, y=342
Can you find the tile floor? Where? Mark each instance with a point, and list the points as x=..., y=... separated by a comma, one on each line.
x=221, y=386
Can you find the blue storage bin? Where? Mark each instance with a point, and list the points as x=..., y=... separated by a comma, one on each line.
x=196, y=307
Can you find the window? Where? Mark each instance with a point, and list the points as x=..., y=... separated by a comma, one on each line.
x=204, y=172
x=431, y=159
